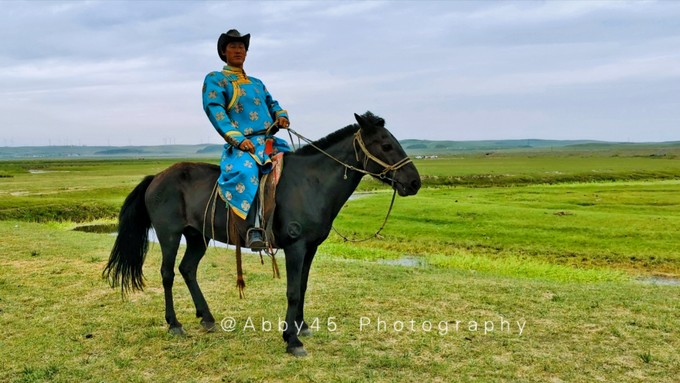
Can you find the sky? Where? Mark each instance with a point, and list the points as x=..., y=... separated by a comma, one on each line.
x=131, y=72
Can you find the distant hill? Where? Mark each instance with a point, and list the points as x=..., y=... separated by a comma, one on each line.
x=635, y=145
x=412, y=147
x=490, y=144
x=119, y=152
x=173, y=151
x=210, y=149
x=451, y=147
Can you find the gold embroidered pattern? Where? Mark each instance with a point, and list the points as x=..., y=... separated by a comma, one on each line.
x=212, y=94
x=238, y=108
x=245, y=205
x=228, y=195
x=240, y=187
x=248, y=131
x=219, y=116
x=223, y=82
x=248, y=164
x=254, y=116
x=257, y=101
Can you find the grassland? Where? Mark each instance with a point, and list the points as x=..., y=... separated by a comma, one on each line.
x=75, y=190
x=537, y=238
x=631, y=226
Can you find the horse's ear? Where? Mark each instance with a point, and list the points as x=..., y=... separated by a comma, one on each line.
x=368, y=122
x=360, y=120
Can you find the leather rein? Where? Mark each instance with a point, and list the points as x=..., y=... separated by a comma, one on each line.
x=387, y=168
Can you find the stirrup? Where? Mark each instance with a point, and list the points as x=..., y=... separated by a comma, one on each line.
x=256, y=243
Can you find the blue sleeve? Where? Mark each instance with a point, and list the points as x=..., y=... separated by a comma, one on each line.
x=275, y=110
x=215, y=101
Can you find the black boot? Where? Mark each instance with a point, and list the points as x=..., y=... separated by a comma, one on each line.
x=254, y=239
x=255, y=235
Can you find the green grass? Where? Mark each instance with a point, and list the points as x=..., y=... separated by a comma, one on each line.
x=623, y=225
x=629, y=226
x=508, y=169
x=62, y=323
x=75, y=190
x=533, y=238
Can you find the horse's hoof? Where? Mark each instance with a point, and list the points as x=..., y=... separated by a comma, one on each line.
x=306, y=332
x=177, y=331
x=209, y=326
x=297, y=351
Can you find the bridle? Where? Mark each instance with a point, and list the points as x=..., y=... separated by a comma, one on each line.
x=358, y=141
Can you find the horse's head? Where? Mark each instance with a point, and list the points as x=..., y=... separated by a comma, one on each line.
x=383, y=157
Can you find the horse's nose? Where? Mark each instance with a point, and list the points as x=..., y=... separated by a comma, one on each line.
x=415, y=184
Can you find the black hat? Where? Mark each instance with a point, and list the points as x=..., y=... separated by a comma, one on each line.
x=231, y=36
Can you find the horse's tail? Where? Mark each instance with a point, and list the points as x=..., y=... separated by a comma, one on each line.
x=127, y=256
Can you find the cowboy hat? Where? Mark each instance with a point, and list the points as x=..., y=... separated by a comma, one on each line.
x=231, y=36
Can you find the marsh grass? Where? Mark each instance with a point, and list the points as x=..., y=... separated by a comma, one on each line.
x=76, y=190
x=561, y=255
x=630, y=226
x=515, y=169
x=63, y=323
x=627, y=225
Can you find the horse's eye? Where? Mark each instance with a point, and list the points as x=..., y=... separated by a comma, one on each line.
x=386, y=147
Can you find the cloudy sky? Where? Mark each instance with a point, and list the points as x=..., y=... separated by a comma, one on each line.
x=131, y=72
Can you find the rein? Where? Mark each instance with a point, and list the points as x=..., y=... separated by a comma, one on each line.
x=358, y=140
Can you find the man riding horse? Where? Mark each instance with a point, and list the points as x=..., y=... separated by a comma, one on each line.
x=244, y=113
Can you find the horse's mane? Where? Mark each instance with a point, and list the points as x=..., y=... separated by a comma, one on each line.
x=329, y=140
x=339, y=135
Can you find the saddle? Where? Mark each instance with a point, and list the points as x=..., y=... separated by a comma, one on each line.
x=267, y=196
x=267, y=205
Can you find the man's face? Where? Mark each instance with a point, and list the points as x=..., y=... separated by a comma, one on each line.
x=235, y=53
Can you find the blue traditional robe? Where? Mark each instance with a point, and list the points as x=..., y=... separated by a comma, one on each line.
x=240, y=107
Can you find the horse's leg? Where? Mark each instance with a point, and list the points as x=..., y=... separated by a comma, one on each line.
x=196, y=246
x=295, y=256
x=169, y=244
x=309, y=257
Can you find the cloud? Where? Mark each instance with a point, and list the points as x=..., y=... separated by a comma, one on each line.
x=132, y=71
x=627, y=70
x=521, y=13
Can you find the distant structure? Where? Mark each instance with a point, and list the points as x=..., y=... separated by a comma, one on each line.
x=426, y=157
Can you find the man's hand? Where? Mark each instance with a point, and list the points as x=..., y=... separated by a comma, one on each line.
x=247, y=146
x=282, y=122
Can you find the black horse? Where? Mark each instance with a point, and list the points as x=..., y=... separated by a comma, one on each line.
x=315, y=183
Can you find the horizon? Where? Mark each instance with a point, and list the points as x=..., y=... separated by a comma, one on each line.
x=401, y=141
